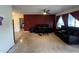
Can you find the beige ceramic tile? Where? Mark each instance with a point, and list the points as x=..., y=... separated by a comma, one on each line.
x=33, y=43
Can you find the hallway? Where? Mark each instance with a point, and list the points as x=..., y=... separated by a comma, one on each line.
x=33, y=43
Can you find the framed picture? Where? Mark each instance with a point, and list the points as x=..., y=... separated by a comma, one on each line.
x=1, y=19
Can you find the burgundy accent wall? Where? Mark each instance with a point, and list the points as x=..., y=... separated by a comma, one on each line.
x=32, y=20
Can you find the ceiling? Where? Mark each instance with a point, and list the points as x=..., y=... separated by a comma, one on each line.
x=38, y=9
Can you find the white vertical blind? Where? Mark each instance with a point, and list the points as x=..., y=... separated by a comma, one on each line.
x=77, y=23
x=60, y=22
x=72, y=21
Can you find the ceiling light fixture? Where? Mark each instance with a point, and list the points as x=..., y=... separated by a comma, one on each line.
x=45, y=11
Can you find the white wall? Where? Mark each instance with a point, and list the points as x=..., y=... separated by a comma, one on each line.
x=68, y=11
x=15, y=16
x=6, y=30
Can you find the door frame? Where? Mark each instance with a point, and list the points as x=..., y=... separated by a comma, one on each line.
x=13, y=31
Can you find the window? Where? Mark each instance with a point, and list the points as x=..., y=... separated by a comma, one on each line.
x=60, y=22
x=76, y=23
x=72, y=22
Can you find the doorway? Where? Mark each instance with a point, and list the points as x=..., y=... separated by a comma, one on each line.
x=21, y=20
x=17, y=34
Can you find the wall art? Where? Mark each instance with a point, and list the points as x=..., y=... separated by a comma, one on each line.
x=1, y=19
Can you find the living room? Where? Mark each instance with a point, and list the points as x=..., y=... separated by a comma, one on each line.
x=44, y=28
x=45, y=24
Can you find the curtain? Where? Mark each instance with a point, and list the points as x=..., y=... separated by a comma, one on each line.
x=65, y=19
x=57, y=18
x=75, y=14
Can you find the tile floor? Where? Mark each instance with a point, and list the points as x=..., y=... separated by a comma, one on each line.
x=33, y=43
